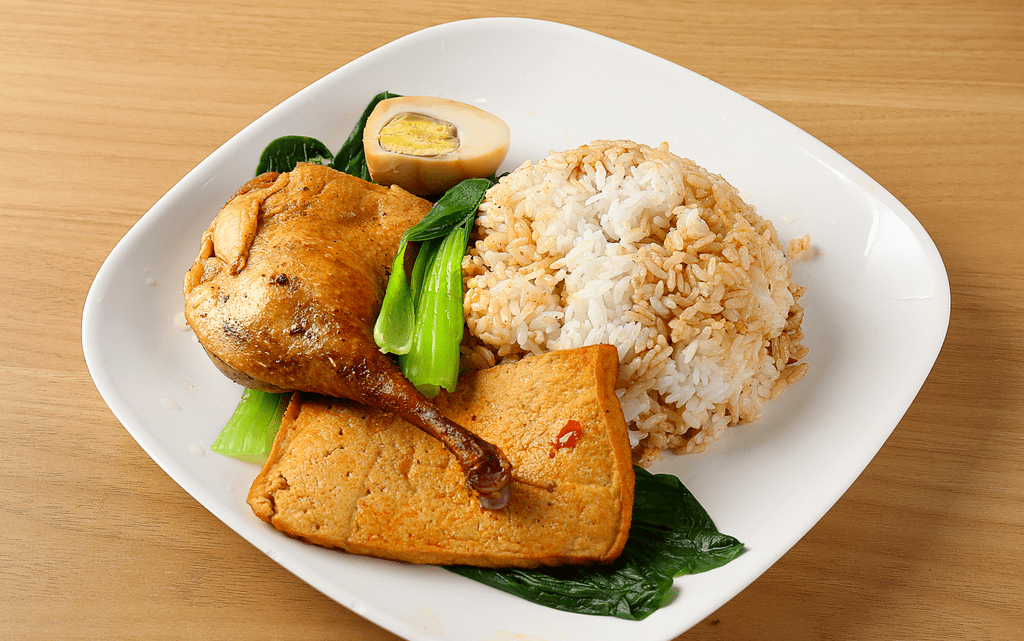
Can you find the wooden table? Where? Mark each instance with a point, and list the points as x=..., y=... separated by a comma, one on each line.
x=105, y=105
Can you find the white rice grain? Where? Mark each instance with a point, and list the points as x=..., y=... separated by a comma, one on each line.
x=620, y=243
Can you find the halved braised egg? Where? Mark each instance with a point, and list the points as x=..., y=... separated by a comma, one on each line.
x=427, y=145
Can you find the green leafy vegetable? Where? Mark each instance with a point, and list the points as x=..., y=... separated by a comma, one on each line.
x=672, y=524
x=671, y=535
x=457, y=206
x=433, y=360
x=396, y=324
x=283, y=153
x=249, y=433
x=351, y=158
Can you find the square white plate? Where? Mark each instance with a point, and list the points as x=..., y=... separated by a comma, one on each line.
x=877, y=309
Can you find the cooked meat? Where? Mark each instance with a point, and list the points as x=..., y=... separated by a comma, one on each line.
x=345, y=476
x=287, y=286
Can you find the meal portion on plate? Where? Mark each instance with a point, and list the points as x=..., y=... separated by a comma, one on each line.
x=617, y=242
x=616, y=302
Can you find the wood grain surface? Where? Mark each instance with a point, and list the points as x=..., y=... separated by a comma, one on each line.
x=106, y=104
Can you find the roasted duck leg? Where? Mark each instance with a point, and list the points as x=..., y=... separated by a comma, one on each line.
x=287, y=286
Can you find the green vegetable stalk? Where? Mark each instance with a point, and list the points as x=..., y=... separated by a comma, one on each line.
x=249, y=433
x=432, y=361
x=421, y=318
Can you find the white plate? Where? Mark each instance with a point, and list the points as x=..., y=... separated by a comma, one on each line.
x=877, y=310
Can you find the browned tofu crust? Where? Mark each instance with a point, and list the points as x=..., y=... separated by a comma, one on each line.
x=346, y=476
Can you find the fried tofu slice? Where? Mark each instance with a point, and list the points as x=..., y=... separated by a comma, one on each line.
x=343, y=475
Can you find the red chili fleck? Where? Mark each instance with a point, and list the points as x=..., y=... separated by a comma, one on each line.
x=569, y=436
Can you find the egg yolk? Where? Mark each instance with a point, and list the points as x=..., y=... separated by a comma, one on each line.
x=415, y=134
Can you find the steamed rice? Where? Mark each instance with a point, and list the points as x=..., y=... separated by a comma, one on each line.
x=621, y=243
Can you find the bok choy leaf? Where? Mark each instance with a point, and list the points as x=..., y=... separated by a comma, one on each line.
x=283, y=153
x=671, y=535
x=351, y=158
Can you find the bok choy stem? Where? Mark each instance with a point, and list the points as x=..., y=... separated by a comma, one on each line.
x=433, y=360
x=432, y=302
x=249, y=433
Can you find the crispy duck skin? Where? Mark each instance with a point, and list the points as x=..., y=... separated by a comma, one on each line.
x=287, y=286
